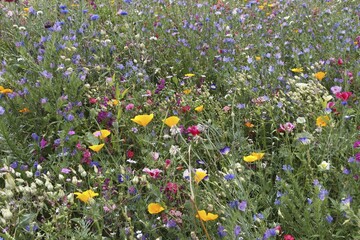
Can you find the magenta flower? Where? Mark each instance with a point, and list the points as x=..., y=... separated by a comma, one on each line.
x=356, y=144
x=154, y=173
x=343, y=95
x=287, y=127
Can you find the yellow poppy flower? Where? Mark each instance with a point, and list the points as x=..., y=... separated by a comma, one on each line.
x=5, y=90
x=187, y=91
x=143, y=120
x=254, y=157
x=97, y=148
x=24, y=110
x=320, y=75
x=155, y=208
x=86, y=196
x=257, y=58
x=102, y=134
x=322, y=121
x=199, y=175
x=199, y=108
x=206, y=216
x=171, y=121
x=297, y=70
x=189, y=75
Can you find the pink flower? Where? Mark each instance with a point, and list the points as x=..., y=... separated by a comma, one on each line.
x=343, y=95
x=288, y=237
x=226, y=108
x=335, y=89
x=193, y=130
x=287, y=127
x=129, y=107
x=171, y=187
x=154, y=173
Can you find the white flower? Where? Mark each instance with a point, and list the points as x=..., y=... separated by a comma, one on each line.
x=301, y=120
x=174, y=149
x=324, y=166
x=6, y=213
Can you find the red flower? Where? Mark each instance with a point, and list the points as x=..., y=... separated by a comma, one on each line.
x=185, y=109
x=288, y=237
x=340, y=61
x=92, y=100
x=193, y=130
x=344, y=95
x=129, y=153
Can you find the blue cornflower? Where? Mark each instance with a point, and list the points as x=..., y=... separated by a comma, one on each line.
x=237, y=230
x=225, y=150
x=287, y=168
x=221, y=231
x=347, y=200
x=242, y=206
x=322, y=194
x=94, y=17
x=329, y=218
x=269, y=233
x=229, y=177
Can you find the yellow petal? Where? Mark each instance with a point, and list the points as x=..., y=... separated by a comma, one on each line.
x=97, y=148
x=211, y=216
x=202, y=215
x=143, y=120
x=187, y=91
x=258, y=155
x=320, y=75
x=297, y=70
x=250, y=158
x=154, y=208
x=86, y=196
x=171, y=121
x=189, y=75
x=199, y=108
x=199, y=175
x=102, y=134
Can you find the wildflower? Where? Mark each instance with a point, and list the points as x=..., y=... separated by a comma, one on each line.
x=229, y=177
x=237, y=230
x=6, y=213
x=329, y=218
x=155, y=208
x=288, y=237
x=254, y=157
x=287, y=168
x=335, y=89
x=5, y=90
x=171, y=121
x=102, y=134
x=2, y=110
x=221, y=231
x=199, y=108
x=193, y=130
x=269, y=233
x=249, y=125
x=301, y=120
x=94, y=17
x=199, y=175
x=322, y=121
x=24, y=110
x=189, y=75
x=320, y=75
x=143, y=120
x=187, y=91
x=322, y=194
x=257, y=58
x=86, y=196
x=224, y=150
x=97, y=148
x=153, y=173
x=174, y=149
x=206, y=216
x=343, y=95
x=324, y=166
x=297, y=70
x=242, y=206
x=287, y=127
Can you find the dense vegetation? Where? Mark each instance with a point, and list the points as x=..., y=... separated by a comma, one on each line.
x=179, y=119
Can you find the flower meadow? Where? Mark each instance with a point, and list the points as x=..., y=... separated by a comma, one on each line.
x=179, y=119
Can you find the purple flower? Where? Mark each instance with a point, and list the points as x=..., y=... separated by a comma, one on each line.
x=171, y=224
x=237, y=230
x=269, y=233
x=329, y=218
x=65, y=170
x=229, y=177
x=287, y=168
x=287, y=127
x=224, y=150
x=322, y=194
x=46, y=74
x=94, y=17
x=347, y=200
x=356, y=144
x=2, y=110
x=242, y=206
x=43, y=143
x=221, y=231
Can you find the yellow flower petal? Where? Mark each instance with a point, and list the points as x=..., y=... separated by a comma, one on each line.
x=199, y=175
x=154, y=208
x=97, y=148
x=322, y=121
x=206, y=217
x=102, y=134
x=86, y=196
x=187, y=91
x=250, y=158
x=297, y=70
x=189, y=75
x=199, y=108
x=143, y=120
x=320, y=75
x=171, y=121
